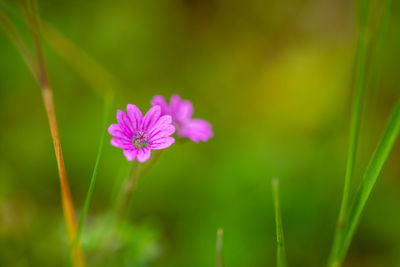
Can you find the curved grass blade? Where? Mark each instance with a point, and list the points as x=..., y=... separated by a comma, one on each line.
x=281, y=251
x=98, y=78
x=16, y=38
x=371, y=175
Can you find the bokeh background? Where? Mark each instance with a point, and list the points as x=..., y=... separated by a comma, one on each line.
x=275, y=80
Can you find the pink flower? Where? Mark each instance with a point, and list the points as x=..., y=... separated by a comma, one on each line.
x=181, y=112
x=138, y=135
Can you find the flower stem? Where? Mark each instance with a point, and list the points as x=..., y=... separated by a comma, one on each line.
x=220, y=248
x=127, y=189
x=152, y=162
x=281, y=251
x=131, y=183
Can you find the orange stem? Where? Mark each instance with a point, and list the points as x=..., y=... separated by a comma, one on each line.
x=67, y=203
x=43, y=80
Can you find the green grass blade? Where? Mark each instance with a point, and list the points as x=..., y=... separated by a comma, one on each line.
x=220, y=246
x=371, y=175
x=281, y=251
x=379, y=49
x=374, y=78
x=375, y=72
x=359, y=85
x=107, y=109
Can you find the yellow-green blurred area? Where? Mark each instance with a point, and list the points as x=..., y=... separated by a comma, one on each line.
x=275, y=80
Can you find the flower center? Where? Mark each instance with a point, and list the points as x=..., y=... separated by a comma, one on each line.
x=140, y=140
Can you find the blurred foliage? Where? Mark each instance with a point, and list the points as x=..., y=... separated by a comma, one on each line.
x=111, y=242
x=274, y=79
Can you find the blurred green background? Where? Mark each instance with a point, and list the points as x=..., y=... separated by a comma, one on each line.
x=274, y=79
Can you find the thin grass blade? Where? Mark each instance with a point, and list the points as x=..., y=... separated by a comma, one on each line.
x=219, y=253
x=107, y=110
x=371, y=175
x=372, y=83
x=379, y=48
x=359, y=85
x=15, y=37
x=281, y=251
x=375, y=73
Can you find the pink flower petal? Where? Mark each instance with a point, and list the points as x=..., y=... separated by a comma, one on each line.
x=164, y=130
x=166, y=119
x=185, y=110
x=151, y=118
x=197, y=130
x=130, y=154
x=143, y=154
x=160, y=101
x=181, y=110
x=122, y=143
x=124, y=123
x=116, y=131
x=162, y=143
x=135, y=115
x=174, y=102
x=152, y=131
x=161, y=124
